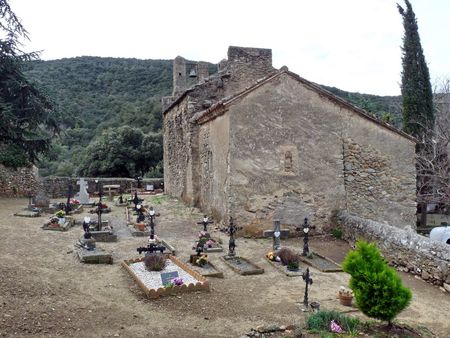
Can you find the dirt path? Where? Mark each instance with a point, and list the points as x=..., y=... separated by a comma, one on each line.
x=46, y=292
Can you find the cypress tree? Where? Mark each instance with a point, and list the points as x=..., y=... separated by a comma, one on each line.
x=418, y=115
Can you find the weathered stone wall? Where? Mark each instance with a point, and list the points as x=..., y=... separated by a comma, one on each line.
x=176, y=149
x=289, y=146
x=56, y=187
x=18, y=182
x=404, y=249
x=214, y=159
x=379, y=170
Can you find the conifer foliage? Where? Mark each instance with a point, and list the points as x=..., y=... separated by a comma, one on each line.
x=26, y=115
x=378, y=290
x=418, y=115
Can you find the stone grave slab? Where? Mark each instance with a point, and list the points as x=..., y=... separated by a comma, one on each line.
x=28, y=213
x=321, y=263
x=151, y=283
x=206, y=270
x=283, y=269
x=97, y=256
x=214, y=247
x=104, y=236
x=242, y=265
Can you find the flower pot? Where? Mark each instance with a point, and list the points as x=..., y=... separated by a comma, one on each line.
x=345, y=300
x=140, y=226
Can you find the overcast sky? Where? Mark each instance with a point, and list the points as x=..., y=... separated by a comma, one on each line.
x=350, y=44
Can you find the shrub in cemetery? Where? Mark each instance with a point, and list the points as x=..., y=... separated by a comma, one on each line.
x=378, y=290
x=155, y=262
x=288, y=257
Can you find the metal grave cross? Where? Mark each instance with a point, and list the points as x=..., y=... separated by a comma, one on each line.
x=308, y=280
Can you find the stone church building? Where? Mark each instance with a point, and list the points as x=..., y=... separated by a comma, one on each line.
x=259, y=144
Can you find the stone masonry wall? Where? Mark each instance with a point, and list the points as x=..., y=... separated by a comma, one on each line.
x=371, y=181
x=18, y=182
x=402, y=248
x=56, y=187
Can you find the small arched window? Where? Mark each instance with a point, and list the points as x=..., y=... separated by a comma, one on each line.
x=288, y=161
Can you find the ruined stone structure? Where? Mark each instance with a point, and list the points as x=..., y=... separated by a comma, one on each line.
x=258, y=144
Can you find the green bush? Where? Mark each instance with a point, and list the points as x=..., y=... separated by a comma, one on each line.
x=321, y=320
x=155, y=262
x=378, y=289
x=337, y=233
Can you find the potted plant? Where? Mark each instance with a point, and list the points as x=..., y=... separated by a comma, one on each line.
x=345, y=296
x=202, y=260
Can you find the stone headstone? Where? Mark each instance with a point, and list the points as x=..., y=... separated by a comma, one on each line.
x=83, y=195
x=41, y=199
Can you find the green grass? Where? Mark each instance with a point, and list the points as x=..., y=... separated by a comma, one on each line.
x=159, y=199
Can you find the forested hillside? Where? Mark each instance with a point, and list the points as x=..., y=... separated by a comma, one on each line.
x=97, y=97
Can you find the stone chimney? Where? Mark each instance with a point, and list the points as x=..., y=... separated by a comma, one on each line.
x=247, y=65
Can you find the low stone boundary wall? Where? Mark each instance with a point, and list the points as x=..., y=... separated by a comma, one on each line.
x=56, y=187
x=404, y=249
x=18, y=182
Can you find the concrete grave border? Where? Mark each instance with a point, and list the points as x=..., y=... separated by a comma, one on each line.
x=201, y=285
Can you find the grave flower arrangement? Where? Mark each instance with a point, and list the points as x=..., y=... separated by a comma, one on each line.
x=74, y=201
x=205, y=240
x=54, y=222
x=202, y=260
x=60, y=214
x=272, y=256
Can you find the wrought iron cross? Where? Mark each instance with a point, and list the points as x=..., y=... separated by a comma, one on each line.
x=231, y=230
x=308, y=280
x=205, y=223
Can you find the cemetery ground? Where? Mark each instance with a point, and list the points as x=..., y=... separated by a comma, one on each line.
x=46, y=292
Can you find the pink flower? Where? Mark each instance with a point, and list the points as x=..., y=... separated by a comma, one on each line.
x=334, y=327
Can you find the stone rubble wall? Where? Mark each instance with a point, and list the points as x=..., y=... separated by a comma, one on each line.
x=376, y=187
x=56, y=187
x=20, y=182
x=402, y=248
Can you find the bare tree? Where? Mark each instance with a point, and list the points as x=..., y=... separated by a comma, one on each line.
x=433, y=165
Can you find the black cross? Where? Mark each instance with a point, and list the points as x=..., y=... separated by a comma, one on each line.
x=306, y=227
x=231, y=230
x=68, y=207
x=205, y=223
x=151, y=248
x=151, y=216
x=308, y=280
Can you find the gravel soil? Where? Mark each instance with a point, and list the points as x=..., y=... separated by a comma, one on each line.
x=46, y=292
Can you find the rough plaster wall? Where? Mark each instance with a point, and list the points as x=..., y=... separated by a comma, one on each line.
x=285, y=116
x=279, y=117
x=214, y=157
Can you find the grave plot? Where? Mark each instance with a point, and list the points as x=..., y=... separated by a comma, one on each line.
x=285, y=261
x=238, y=264
x=205, y=240
x=321, y=263
x=242, y=265
x=174, y=278
x=101, y=230
x=56, y=223
x=88, y=252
